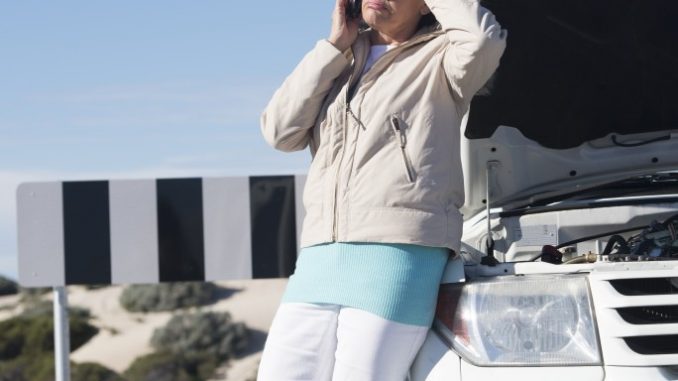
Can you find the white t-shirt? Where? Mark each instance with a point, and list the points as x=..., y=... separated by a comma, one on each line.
x=376, y=51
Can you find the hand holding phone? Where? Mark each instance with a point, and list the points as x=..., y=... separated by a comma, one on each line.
x=344, y=27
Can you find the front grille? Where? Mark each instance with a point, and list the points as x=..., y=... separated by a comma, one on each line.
x=647, y=286
x=649, y=315
x=653, y=345
x=637, y=314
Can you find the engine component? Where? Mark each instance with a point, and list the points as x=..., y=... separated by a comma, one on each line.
x=551, y=255
x=659, y=241
x=586, y=258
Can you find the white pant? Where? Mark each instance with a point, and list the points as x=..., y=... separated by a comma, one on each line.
x=322, y=342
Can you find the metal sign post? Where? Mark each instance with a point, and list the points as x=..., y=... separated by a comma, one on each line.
x=61, y=335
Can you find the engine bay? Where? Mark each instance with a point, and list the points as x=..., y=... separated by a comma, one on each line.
x=638, y=231
x=657, y=241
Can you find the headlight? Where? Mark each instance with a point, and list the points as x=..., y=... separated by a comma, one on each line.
x=527, y=321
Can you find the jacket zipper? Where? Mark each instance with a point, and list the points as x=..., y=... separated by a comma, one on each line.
x=336, y=176
x=341, y=158
x=400, y=135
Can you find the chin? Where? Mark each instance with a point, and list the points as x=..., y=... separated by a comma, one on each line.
x=372, y=20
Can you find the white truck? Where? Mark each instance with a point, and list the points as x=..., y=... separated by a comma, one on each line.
x=569, y=261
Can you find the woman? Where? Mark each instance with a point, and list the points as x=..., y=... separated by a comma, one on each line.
x=381, y=110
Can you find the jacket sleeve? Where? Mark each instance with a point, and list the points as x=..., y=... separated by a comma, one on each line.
x=476, y=43
x=292, y=112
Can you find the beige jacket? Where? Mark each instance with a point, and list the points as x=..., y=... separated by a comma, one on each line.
x=386, y=168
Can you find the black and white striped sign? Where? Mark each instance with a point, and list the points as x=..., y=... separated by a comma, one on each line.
x=159, y=230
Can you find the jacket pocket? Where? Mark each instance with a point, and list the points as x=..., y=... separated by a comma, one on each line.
x=401, y=140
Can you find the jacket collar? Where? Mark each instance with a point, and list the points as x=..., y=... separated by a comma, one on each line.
x=362, y=43
x=360, y=48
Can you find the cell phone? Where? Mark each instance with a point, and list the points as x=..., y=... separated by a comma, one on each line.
x=353, y=9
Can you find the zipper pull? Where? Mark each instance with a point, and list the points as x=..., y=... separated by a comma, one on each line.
x=349, y=111
x=396, y=128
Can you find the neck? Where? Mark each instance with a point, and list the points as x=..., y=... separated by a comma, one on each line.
x=392, y=37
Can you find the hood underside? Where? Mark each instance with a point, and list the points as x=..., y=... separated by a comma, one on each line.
x=586, y=94
x=577, y=70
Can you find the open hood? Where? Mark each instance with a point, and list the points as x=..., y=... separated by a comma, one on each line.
x=587, y=92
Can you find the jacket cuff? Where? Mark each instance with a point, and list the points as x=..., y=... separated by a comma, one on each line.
x=331, y=58
x=466, y=15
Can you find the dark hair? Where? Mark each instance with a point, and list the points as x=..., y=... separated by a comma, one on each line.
x=427, y=20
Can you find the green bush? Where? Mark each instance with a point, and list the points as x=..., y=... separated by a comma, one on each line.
x=28, y=368
x=190, y=348
x=33, y=336
x=205, y=333
x=93, y=372
x=27, y=345
x=12, y=337
x=8, y=286
x=161, y=366
x=46, y=308
x=41, y=368
x=167, y=296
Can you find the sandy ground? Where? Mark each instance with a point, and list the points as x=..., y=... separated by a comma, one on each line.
x=9, y=306
x=124, y=336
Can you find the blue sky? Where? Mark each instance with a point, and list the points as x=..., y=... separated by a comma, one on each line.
x=130, y=89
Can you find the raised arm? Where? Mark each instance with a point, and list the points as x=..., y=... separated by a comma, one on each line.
x=293, y=110
x=477, y=42
x=291, y=113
